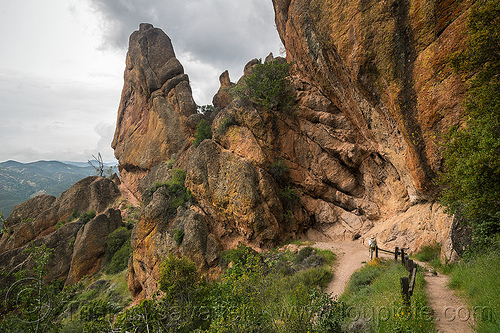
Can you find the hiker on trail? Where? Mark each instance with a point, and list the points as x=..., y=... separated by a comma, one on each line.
x=373, y=246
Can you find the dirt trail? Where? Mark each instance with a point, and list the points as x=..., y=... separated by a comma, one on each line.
x=450, y=312
x=350, y=257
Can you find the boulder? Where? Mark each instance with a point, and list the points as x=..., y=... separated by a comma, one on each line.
x=89, y=249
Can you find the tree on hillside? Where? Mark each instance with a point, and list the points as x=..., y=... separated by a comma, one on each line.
x=99, y=168
x=471, y=176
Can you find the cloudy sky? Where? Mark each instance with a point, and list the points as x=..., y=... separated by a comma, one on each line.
x=62, y=62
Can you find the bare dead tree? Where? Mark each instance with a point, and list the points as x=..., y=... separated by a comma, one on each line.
x=99, y=168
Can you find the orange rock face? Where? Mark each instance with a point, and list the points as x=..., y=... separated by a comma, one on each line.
x=156, y=100
x=383, y=64
x=358, y=155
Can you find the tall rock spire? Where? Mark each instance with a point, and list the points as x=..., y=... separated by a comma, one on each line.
x=155, y=103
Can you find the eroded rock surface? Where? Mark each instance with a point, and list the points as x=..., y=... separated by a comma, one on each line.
x=89, y=248
x=358, y=154
x=155, y=103
x=77, y=247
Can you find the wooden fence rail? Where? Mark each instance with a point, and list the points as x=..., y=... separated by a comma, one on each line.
x=407, y=282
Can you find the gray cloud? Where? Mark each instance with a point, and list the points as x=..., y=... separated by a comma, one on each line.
x=60, y=102
x=222, y=33
x=41, y=118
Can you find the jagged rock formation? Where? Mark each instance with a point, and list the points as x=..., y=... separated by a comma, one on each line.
x=78, y=248
x=383, y=65
x=155, y=103
x=373, y=95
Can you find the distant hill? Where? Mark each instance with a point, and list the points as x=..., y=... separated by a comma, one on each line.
x=22, y=181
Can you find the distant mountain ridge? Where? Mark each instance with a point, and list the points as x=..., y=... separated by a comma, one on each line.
x=22, y=181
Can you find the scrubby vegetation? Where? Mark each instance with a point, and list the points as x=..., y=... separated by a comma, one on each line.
x=178, y=236
x=270, y=292
x=255, y=294
x=179, y=195
x=76, y=215
x=375, y=303
x=280, y=171
x=269, y=86
x=203, y=131
x=471, y=176
x=472, y=151
x=118, y=250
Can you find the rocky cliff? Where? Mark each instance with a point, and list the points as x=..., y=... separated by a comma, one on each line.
x=357, y=157
x=383, y=65
x=79, y=245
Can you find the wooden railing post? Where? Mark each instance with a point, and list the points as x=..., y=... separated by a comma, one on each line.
x=405, y=290
x=412, y=280
x=402, y=256
x=396, y=252
x=376, y=251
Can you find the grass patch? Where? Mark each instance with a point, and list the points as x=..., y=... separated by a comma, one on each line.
x=477, y=279
x=431, y=254
x=375, y=301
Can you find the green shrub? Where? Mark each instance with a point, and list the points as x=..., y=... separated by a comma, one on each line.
x=86, y=217
x=471, y=176
x=75, y=214
x=327, y=255
x=303, y=254
x=178, y=236
x=178, y=276
x=156, y=186
x=203, y=131
x=97, y=315
x=118, y=250
x=289, y=197
x=120, y=259
x=269, y=86
x=314, y=277
x=241, y=255
x=116, y=239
